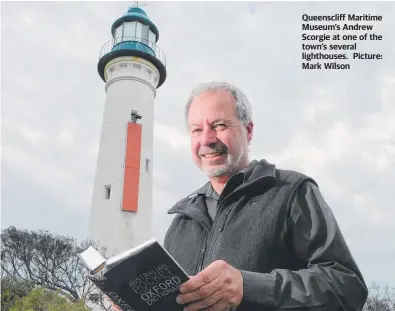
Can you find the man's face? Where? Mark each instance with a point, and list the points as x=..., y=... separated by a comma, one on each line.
x=219, y=141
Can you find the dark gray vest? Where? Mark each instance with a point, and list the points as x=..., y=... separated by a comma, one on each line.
x=249, y=232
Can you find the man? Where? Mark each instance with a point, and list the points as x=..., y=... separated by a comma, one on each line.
x=254, y=237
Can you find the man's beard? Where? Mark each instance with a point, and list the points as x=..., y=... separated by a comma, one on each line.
x=231, y=167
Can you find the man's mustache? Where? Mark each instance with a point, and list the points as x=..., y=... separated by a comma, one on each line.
x=217, y=148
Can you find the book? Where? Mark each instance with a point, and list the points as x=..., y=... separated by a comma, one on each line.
x=143, y=278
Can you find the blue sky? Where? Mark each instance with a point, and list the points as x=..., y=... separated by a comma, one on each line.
x=336, y=126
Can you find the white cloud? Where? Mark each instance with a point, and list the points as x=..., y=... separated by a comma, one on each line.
x=365, y=209
x=321, y=104
x=373, y=141
x=73, y=47
x=30, y=134
x=387, y=93
x=171, y=136
x=27, y=19
x=39, y=172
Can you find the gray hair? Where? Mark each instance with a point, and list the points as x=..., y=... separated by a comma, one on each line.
x=243, y=107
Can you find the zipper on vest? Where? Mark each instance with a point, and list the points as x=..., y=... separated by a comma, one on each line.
x=207, y=241
x=209, y=236
x=201, y=256
x=224, y=222
x=216, y=223
x=200, y=266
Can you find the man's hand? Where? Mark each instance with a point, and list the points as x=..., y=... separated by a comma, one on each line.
x=218, y=287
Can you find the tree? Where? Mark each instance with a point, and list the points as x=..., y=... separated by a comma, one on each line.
x=42, y=299
x=379, y=300
x=36, y=265
x=12, y=290
x=50, y=261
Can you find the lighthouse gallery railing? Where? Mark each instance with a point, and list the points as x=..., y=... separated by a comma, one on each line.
x=133, y=43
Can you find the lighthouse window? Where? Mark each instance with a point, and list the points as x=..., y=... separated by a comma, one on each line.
x=107, y=192
x=151, y=37
x=138, y=30
x=118, y=34
x=129, y=30
x=144, y=33
x=146, y=164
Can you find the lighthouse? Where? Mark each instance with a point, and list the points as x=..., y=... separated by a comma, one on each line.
x=133, y=67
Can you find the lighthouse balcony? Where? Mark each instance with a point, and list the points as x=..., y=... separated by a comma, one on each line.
x=132, y=46
x=136, y=44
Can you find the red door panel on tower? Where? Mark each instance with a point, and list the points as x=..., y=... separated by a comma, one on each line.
x=132, y=168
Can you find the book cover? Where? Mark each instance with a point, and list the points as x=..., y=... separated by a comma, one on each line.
x=145, y=278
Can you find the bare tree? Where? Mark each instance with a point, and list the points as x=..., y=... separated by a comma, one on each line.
x=48, y=260
x=380, y=300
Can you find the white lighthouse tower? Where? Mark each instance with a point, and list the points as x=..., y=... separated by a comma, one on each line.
x=133, y=67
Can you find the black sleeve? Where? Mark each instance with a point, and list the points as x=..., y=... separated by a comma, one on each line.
x=331, y=279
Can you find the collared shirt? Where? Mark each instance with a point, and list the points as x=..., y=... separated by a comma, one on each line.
x=211, y=201
x=212, y=196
